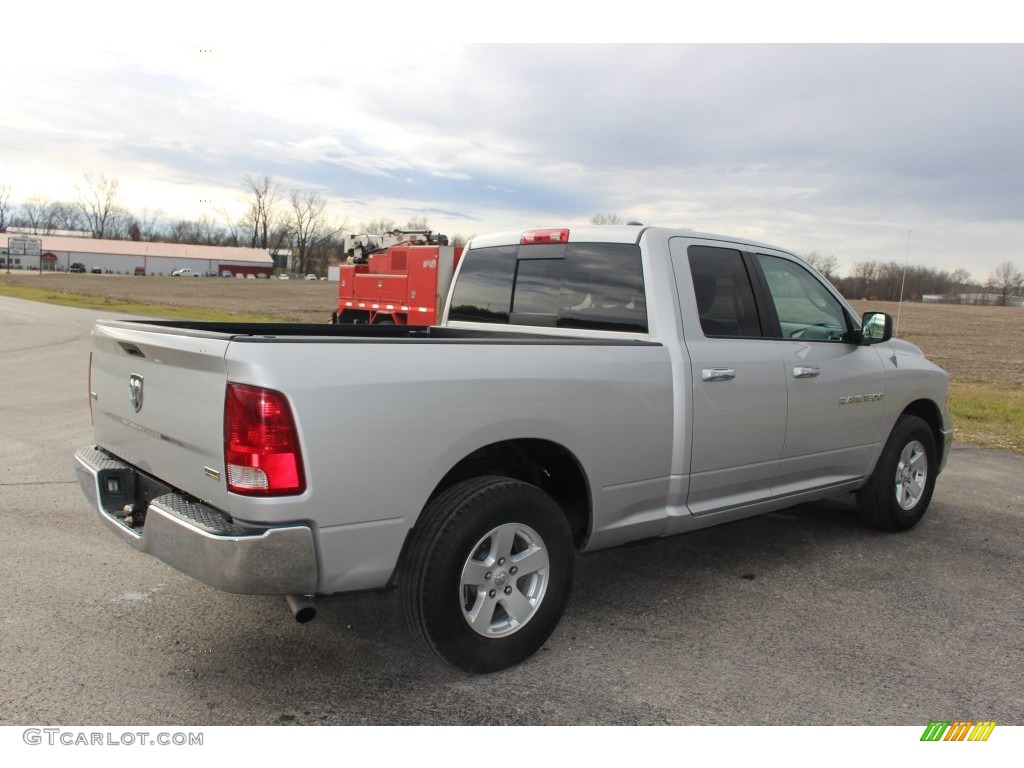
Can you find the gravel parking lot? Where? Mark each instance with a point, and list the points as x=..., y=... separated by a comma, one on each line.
x=800, y=617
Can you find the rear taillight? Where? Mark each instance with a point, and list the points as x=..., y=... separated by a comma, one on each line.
x=534, y=236
x=261, y=444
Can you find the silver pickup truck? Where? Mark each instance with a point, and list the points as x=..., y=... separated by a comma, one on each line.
x=588, y=387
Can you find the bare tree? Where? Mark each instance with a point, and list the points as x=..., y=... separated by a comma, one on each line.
x=960, y=279
x=206, y=231
x=1006, y=280
x=64, y=216
x=260, y=219
x=864, y=275
x=309, y=228
x=416, y=223
x=119, y=224
x=211, y=232
x=97, y=202
x=607, y=218
x=182, y=231
x=35, y=215
x=5, y=207
x=379, y=226
x=825, y=264
x=42, y=217
x=149, y=224
x=230, y=228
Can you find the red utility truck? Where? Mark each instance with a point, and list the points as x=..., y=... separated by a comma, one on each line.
x=401, y=278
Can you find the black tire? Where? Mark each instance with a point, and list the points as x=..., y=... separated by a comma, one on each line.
x=487, y=573
x=900, y=489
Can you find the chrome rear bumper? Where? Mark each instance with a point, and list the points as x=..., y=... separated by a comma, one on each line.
x=198, y=540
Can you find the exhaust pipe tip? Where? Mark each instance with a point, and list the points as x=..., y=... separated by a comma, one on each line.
x=303, y=608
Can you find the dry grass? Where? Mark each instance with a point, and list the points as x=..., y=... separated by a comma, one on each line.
x=974, y=344
x=293, y=301
x=982, y=349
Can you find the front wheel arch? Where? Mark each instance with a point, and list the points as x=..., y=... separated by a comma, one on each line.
x=899, y=490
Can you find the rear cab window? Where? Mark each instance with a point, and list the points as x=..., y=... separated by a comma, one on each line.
x=588, y=286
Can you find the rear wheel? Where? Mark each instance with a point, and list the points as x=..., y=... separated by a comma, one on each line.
x=900, y=488
x=488, y=573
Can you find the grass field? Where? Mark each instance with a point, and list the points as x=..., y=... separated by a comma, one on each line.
x=982, y=348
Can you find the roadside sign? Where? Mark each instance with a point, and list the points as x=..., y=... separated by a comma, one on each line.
x=25, y=246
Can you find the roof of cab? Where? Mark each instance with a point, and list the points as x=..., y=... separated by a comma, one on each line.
x=611, y=233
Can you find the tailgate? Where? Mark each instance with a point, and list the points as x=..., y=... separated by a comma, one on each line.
x=158, y=403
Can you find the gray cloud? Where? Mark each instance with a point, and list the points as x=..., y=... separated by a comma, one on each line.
x=835, y=148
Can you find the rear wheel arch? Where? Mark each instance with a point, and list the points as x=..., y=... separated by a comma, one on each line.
x=543, y=463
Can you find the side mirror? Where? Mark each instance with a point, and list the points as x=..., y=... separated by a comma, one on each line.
x=875, y=328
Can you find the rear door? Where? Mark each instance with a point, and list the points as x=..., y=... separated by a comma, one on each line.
x=738, y=390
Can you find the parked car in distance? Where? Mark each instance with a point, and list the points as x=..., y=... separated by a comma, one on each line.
x=283, y=277
x=250, y=276
x=97, y=270
x=77, y=267
x=186, y=272
x=140, y=271
x=225, y=273
x=311, y=277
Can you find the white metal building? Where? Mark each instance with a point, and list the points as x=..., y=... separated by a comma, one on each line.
x=126, y=257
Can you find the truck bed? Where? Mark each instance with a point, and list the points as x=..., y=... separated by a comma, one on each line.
x=291, y=332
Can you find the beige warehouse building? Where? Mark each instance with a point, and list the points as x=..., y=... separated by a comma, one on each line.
x=128, y=257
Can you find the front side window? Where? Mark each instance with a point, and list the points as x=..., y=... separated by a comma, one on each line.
x=592, y=286
x=805, y=307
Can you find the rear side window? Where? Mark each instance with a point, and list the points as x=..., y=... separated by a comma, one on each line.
x=593, y=286
x=725, y=299
x=483, y=292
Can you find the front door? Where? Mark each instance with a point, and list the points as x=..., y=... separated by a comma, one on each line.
x=835, y=386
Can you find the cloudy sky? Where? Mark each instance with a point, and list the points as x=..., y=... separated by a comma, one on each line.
x=839, y=149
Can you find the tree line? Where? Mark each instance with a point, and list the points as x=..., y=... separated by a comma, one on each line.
x=893, y=280
x=297, y=220
x=274, y=219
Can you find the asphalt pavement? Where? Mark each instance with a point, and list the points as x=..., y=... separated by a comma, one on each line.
x=802, y=617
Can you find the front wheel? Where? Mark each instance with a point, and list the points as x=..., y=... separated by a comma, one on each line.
x=488, y=573
x=899, y=490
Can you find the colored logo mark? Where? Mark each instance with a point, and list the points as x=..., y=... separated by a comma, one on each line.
x=958, y=730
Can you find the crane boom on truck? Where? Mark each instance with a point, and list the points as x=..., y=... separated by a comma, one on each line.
x=398, y=278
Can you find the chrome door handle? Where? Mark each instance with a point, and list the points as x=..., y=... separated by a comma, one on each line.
x=718, y=374
x=805, y=371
